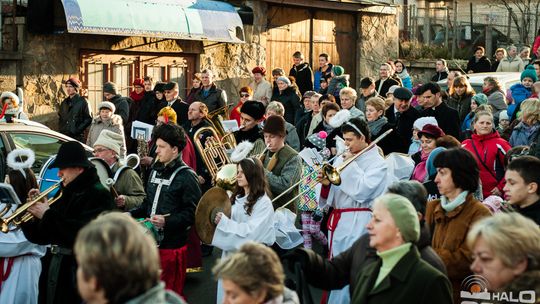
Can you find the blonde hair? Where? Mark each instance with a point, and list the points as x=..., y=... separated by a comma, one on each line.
x=255, y=268
x=168, y=112
x=376, y=102
x=349, y=92
x=461, y=81
x=114, y=249
x=511, y=236
x=530, y=107
x=277, y=107
x=482, y=113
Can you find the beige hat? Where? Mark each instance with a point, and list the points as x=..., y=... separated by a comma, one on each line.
x=107, y=105
x=110, y=140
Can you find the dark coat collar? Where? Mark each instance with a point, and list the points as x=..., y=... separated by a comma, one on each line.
x=82, y=182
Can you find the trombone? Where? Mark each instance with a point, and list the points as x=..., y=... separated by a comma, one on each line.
x=329, y=172
x=21, y=215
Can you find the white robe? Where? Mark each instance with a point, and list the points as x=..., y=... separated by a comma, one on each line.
x=361, y=182
x=232, y=233
x=21, y=285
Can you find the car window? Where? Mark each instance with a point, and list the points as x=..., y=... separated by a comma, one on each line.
x=43, y=146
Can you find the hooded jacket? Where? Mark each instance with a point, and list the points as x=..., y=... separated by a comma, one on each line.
x=303, y=75
x=337, y=83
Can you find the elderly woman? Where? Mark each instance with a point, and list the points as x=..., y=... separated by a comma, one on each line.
x=106, y=120
x=254, y=275
x=377, y=123
x=461, y=93
x=288, y=98
x=489, y=149
x=428, y=141
x=262, y=89
x=451, y=216
x=526, y=131
x=506, y=252
x=398, y=275
x=347, y=98
x=512, y=62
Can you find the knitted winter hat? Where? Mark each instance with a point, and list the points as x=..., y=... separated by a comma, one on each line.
x=107, y=105
x=138, y=82
x=503, y=115
x=430, y=168
x=284, y=79
x=318, y=139
x=422, y=121
x=480, y=98
x=110, y=140
x=338, y=70
x=253, y=108
x=275, y=125
x=74, y=82
x=109, y=87
x=530, y=73
x=404, y=215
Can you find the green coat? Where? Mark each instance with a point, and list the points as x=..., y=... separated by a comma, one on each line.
x=130, y=185
x=412, y=280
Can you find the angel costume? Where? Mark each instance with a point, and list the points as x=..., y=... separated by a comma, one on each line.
x=232, y=233
x=361, y=182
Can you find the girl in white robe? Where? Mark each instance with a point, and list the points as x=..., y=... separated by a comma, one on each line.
x=365, y=179
x=252, y=214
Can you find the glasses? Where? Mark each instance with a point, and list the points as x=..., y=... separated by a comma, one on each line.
x=244, y=95
x=100, y=150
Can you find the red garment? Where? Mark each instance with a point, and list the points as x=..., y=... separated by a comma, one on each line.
x=536, y=45
x=488, y=147
x=136, y=97
x=194, y=253
x=235, y=113
x=173, y=268
x=188, y=154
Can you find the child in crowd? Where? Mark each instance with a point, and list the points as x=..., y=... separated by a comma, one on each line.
x=417, y=127
x=504, y=122
x=522, y=188
x=521, y=91
x=324, y=84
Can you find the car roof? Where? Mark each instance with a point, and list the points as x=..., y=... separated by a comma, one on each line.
x=20, y=125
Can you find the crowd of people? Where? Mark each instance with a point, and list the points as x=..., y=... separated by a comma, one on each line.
x=463, y=198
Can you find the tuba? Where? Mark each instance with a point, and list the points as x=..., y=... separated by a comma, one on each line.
x=215, y=118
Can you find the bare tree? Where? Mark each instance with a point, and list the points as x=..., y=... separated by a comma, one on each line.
x=523, y=13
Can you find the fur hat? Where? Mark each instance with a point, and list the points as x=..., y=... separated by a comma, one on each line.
x=259, y=69
x=341, y=117
x=275, y=125
x=253, y=108
x=74, y=82
x=338, y=70
x=110, y=140
x=109, y=87
x=241, y=151
x=107, y=105
x=71, y=154
x=16, y=160
x=284, y=79
x=138, y=82
x=11, y=95
x=422, y=121
x=529, y=72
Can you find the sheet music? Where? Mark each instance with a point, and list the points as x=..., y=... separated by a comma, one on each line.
x=230, y=125
x=139, y=128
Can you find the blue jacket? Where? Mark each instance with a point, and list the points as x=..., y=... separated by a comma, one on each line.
x=519, y=94
x=407, y=82
x=524, y=135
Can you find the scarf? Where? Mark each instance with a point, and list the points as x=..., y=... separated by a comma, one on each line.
x=376, y=125
x=404, y=74
x=420, y=171
x=136, y=97
x=327, y=128
x=458, y=201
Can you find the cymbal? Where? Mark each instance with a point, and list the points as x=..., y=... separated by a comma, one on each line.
x=213, y=201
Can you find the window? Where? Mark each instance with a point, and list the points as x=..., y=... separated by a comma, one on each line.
x=121, y=77
x=96, y=76
x=177, y=73
x=43, y=146
x=156, y=72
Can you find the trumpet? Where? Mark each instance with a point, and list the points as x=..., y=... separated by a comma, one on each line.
x=21, y=215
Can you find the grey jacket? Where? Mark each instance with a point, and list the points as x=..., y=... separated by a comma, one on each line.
x=524, y=135
x=292, y=136
x=497, y=101
x=157, y=295
x=114, y=124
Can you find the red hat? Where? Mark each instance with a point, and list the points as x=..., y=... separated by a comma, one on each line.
x=74, y=82
x=138, y=82
x=431, y=131
x=259, y=69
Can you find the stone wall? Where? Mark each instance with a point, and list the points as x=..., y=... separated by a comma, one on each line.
x=421, y=71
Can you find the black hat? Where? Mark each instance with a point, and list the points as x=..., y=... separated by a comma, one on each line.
x=159, y=87
x=366, y=82
x=403, y=94
x=253, y=108
x=109, y=87
x=71, y=154
x=170, y=86
x=275, y=125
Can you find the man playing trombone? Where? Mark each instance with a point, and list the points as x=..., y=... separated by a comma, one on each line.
x=128, y=189
x=363, y=180
x=81, y=198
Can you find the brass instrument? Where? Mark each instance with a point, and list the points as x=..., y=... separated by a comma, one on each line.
x=21, y=215
x=329, y=172
x=132, y=161
x=215, y=117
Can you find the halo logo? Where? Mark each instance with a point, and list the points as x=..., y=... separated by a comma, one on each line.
x=474, y=290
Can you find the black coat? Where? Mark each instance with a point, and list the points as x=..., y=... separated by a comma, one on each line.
x=250, y=135
x=482, y=65
x=462, y=104
x=402, y=135
x=122, y=106
x=385, y=86
x=181, y=108
x=344, y=269
x=532, y=212
x=82, y=200
x=179, y=200
x=74, y=117
x=439, y=76
x=146, y=109
x=412, y=280
x=304, y=78
x=216, y=98
x=302, y=126
x=291, y=103
x=447, y=118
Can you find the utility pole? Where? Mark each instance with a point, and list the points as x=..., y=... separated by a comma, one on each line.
x=455, y=28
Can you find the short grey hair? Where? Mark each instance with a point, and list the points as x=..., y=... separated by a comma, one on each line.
x=413, y=190
x=277, y=107
x=511, y=47
x=208, y=71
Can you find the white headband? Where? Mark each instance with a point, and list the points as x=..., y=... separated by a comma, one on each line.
x=355, y=127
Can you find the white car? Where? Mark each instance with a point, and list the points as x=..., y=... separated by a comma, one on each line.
x=506, y=79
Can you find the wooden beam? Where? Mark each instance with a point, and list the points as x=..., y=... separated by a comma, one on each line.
x=332, y=5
